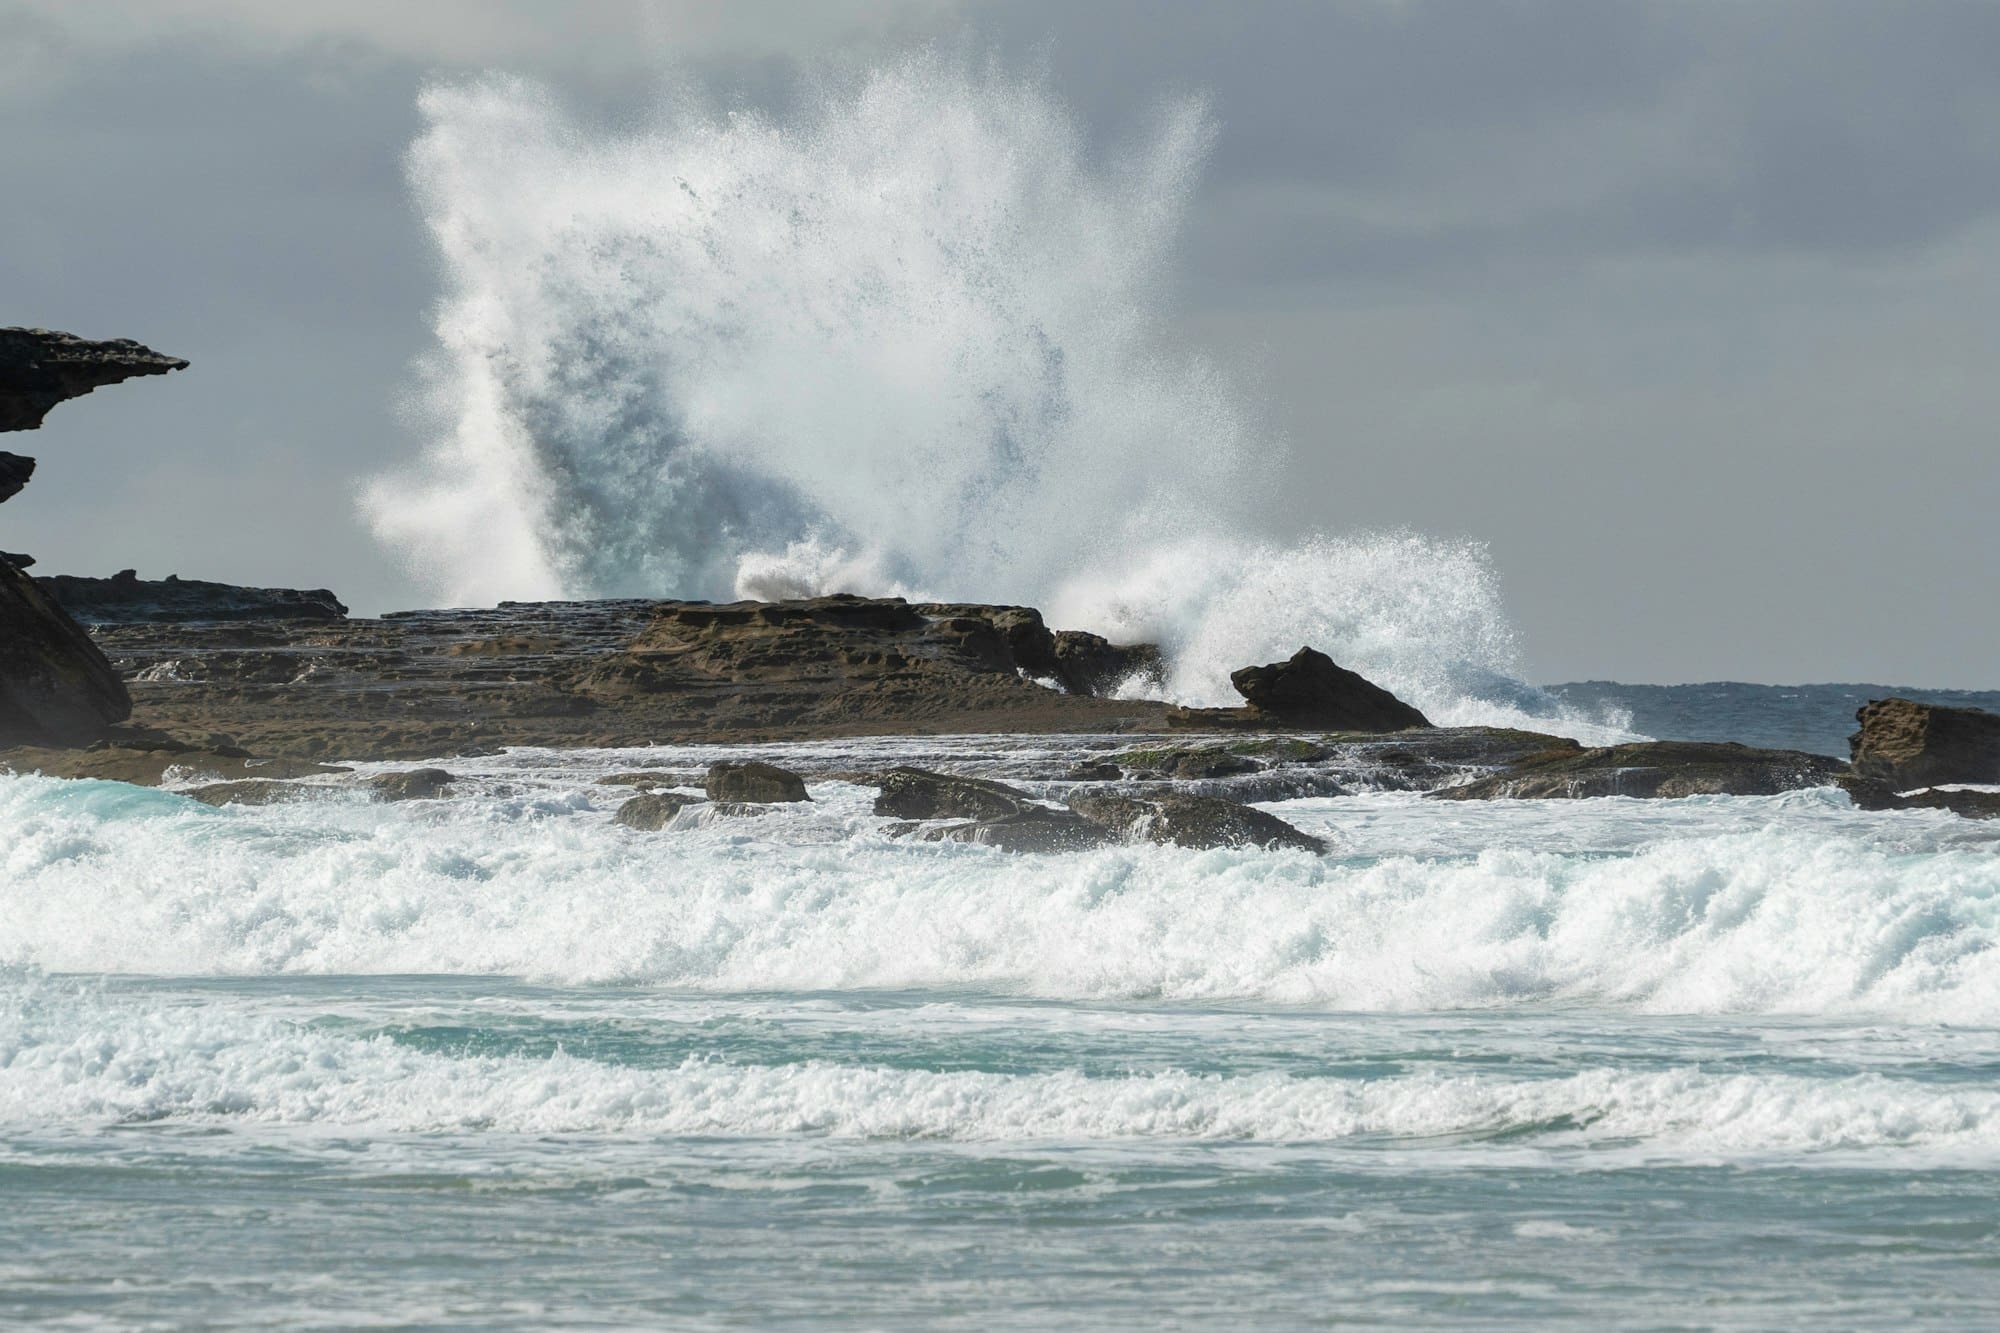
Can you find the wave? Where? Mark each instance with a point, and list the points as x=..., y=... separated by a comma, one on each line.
x=73, y=1060
x=914, y=340
x=102, y=878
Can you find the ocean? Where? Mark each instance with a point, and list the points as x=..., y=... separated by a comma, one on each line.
x=493, y=1061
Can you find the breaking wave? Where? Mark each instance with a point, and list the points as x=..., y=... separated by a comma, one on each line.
x=913, y=339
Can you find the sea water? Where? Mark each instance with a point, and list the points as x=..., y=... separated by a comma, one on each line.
x=495, y=1061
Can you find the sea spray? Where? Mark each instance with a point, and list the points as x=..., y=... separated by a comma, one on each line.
x=913, y=340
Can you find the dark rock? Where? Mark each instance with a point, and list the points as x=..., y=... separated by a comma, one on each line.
x=1663, y=769
x=918, y=793
x=56, y=686
x=1908, y=744
x=39, y=369
x=651, y=811
x=1035, y=829
x=1874, y=794
x=1309, y=690
x=1189, y=764
x=419, y=784
x=1092, y=772
x=14, y=473
x=249, y=791
x=17, y=559
x=750, y=782
x=125, y=598
x=1192, y=821
x=150, y=764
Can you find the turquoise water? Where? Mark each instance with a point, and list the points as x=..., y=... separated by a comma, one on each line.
x=495, y=1062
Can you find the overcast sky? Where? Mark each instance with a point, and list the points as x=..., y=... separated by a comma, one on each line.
x=1689, y=310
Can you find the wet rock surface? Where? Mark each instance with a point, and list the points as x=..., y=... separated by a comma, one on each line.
x=749, y=782
x=1191, y=821
x=1663, y=769
x=1908, y=744
x=1310, y=690
x=651, y=811
x=919, y=793
x=419, y=784
x=56, y=685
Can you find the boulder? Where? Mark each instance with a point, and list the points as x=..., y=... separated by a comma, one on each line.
x=750, y=782
x=1192, y=821
x=56, y=687
x=1663, y=769
x=651, y=811
x=1093, y=772
x=1874, y=794
x=1310, y=690
x=1189, y=763
x=1091, y=664
x=1907, y=744
x=125, y=599
x=419, y=784
x=918, y=793
x=39, y=368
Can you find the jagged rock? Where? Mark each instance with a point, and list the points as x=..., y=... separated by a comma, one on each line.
x=56, y=687
x=1035, y=829
x=651, y=811
x=918, y=793
x=1310, y=690
x=750, y=782
x=14, y=474
x=1874, y=794
x=125, y=598
x=39, y=368
x=1663, y=769
x=249, y=791
x=1091, y=664
x=1907, y=744
x=419, y=784
x=1192, y=821
x=17, y=559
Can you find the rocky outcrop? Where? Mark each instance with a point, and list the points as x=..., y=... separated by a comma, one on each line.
x=1191, y=821
x=39, y=368
x=1310, y=690
x=749, y=782
x=15, y=472
x=125, y=598
x=1652, y=769
x=1034, y=829
x=1907, y=744
x=56, y=687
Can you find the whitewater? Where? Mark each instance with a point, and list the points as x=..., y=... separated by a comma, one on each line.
x=496, y=1061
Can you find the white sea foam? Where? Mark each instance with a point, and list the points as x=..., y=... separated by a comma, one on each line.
x=71, y=1059
x=1785, y=919
x=914, y=340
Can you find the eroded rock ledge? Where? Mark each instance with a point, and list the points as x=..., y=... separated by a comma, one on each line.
x=40, y=368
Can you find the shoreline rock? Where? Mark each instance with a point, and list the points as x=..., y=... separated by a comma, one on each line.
x=1906, y=744
x=125, y=598
x=40, y=368
x=1651, y=769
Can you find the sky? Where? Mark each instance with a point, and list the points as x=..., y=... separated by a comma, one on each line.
x=1688, y=310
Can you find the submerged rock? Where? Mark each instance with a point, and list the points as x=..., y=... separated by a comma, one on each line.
x=40, y=368
x=1189, y=763
x=1907, y=744
x=1310, y=690
x=419, y=784
x=125, y=598
x=250, y=791
x=1035, y=829
x=750, y=782
x=918, y=793
x=651, y=811
x=1664, y=769
x=1192, y=821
